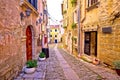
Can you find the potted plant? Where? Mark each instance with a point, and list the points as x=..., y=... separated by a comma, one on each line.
x=30, y=66
x=117, y=66
x=42, y=56
x=74, y=25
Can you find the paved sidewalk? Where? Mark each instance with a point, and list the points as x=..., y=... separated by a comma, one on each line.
x=62, y=66
x=39, y=74
x=49, y=69
x=68, y=71
x=85, y=70
x=54, y=70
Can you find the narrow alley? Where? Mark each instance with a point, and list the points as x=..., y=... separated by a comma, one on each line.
x=59, y=39
x=63, y=66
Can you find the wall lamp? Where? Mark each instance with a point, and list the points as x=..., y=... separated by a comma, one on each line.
x=25, y=14
x=38, y=21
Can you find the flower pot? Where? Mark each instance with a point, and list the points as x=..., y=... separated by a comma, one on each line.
x=41, y=59
x=95, y=61
x=29, y=70
x=118, y=71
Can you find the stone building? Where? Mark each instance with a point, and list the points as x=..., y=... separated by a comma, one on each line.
x=100, y=29
x=70, y=9
x=90, y=22
x=97, y=32
x=54, y=34
x=19, y=35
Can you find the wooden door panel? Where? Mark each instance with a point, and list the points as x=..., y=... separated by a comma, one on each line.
x=29, y=44
x=87, y=43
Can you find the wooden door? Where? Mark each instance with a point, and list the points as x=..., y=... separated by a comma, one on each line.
x=87, y=43
x=45, y=40
x=94, y=43
x=29, y=44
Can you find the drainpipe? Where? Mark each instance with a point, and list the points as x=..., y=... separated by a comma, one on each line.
x=79, y=27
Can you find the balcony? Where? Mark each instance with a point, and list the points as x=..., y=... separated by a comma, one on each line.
x=27, y=4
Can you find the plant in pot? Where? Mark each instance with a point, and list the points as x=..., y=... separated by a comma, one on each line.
x=42, y=56
x=117, y=66
x=31, y=66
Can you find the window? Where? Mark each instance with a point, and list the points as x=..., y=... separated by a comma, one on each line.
x=67, y=3
x=55, y=30
x=91, y=2
x=33, y=3
x=75, y=17
x=75, y=39
x=55, y=35
x=50, y=35
x=29, y=1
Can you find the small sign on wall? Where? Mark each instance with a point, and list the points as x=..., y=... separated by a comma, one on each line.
x=107, y=30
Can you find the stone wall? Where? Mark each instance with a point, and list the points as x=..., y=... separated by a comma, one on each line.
x=106, y=15
x=10, y=39
x=109, y=43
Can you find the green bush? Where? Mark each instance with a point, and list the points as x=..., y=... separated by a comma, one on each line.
x=86, y=59
x=31, y=63
x=64, y=11
x=116, y=64
x=74, y=25
x=42, y=55
x=73, y=1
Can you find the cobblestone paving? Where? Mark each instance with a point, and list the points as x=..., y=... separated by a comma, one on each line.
x=68, y=71
x=51, y=69
x=81, y=70
x=39, y=74
x=87, y=71
x=54, y=70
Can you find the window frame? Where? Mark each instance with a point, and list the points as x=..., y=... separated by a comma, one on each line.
x=55, y=30
x=50, y=35
x=91, y=2
x=55, y=35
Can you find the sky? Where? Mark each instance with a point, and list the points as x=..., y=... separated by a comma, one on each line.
x=54, y=9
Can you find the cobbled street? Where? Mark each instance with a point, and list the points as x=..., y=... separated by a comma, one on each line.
x=54, y=70
x=62, y=66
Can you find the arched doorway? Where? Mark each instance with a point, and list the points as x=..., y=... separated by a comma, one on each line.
x=28, y=43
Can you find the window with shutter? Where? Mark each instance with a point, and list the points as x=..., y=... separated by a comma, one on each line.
x=33, y=3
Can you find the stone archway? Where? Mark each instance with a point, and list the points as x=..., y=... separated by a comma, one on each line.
x=29, y=43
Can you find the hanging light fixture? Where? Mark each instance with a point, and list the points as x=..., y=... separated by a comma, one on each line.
x=28, y=12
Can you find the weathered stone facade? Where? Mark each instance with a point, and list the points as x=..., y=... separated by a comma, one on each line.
x=13, y=55
x=70, y=18
x=109, y=44
x=102, y=14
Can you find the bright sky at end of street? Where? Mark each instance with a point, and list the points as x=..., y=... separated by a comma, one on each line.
x=54, y=9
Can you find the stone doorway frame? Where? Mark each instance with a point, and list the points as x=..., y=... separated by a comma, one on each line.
x=88, y=38
x=33, y=41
